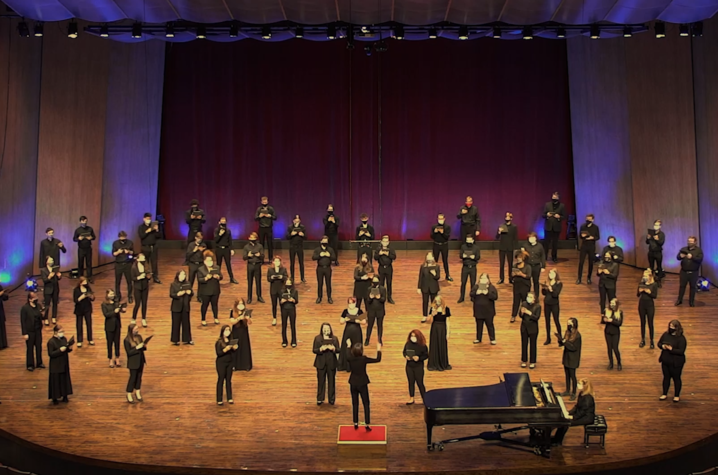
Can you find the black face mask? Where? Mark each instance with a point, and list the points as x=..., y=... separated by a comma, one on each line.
x=84, y=225
x=324, y=244
x=507, y=220
x=375, y=284
x=289, y=286
x=223, y=225
x=330, y=212
x=588, y=221
x=555, y=201
x=364, y=222
x=122, y=241
x=671, y=331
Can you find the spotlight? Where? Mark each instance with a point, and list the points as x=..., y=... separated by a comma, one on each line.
x=331, y=32
x=169, y=30
x=528, y=33
x=266, y=33
x=595, y=32
x=464, y=32
x=497, y=32
x=432, y=33
x=299, y=32
x=683, y=30
x=561, y=32
x=399, y=32
x=137, y=30
x=703, y=285
x=233, y=30
x=39, y=29
x=380, y=47
x=367, y=50
x=697, y=29
x=627, y=32
x=72, y=30
x=30, y=284
x=23, y=30
x=104, y=31
x=660, y=29
x=201, y=32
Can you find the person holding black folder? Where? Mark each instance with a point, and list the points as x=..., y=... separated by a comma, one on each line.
x=223, y=247
x=375, y=303
x=331, y=230
x=470, y=255
x=551, y=289
x=352, y=317
x=589, y=233
x=209, y=276
x=507, y=235
x=415, y=353
x=363, y=273
x=655, y=238
x=194, y=217
x=289, y=298
x=326, y=347
x=385, y=257
x=359, y=380
x=554, y=212
x=276, y=276
x=470, y=220
x=530, y=315
x=58, y=348
x=254, y=255
x=613, y=319
x=324, y=255
x=691, y=258
x=428, y=285
x=141, y=272
x=673, y=358
x=297, y=234
x=265, y=217
x=135, y=348
x=536, y=259
x=83, y=298
x=181, y=295
x=149, y=232
x=364, y=233
x=51, y=276
x=241, y=318
x=194, y=258
x=84, y=235
x=607, y=275
x=50, y=247
x=647, y=293
x=484, y=296
x=441, y=235
x=111, y=310
x=521, y=273
x=123, y=250
x=224, y=347
x=31, y=327
x=571, y=343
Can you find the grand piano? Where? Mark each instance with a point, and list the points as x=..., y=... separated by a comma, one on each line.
x=515, y=400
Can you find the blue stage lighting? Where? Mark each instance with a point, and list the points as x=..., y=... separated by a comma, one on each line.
x=30, y=284
x=703, y=284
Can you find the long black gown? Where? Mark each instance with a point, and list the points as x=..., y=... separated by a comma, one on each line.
x=242, y=358
x=353, y=332
x=438, y=346
x=3, y=331
x=60, y=384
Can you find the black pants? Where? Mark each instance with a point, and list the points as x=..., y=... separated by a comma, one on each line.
x=655, y=263
x=489, y=327
x=141, y=297
x=180, y=321
x=84, y=260
x=535, y=276
x=551, y=242
x=275, y=301
x=508, y=258
x=135, y=381
x=427, y=298
x=268, y=235
x=466, y=230
x=324, y=274
x=88, y=321
x=291, y=315
x=192, y=274
x=386, y=276
x=674, y=373
x=442, y=250
x=120, y=271
x=34, y=340
x=225, y=254
x=415, y=376
x=612, y=341
x=150, y=253
x=324, y=376
x=550, y=310
x=467, y=273
x=113, y=338
x=365, y=249
x=356, y=391
x=571, y=382
x=53, y=298
x=206, y=300
x=334, y=244
x=378, y=316
x=254, y=277
x=686, y=278
x=296, y=253
x=590, y=253
x=519, y=296
x=224, y=378
x=603, y=292
x=646, y=311
x=527, y=340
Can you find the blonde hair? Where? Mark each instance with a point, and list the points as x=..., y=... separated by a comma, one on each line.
x=587, y=387
x=649, y=274
x=436, y=305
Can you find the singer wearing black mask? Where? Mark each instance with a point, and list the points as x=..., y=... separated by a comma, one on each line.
x=507, y=235
x=521, y=273
x=241, y=318
x=266, y=217
x=31, y=325
x=223, y=247
x=296, y=234
x=470, y=256
x=613, y=319
x=441, y=234
x=331, y=230
x=616, y=253
x=385, y=257
x=470, y=220
x=691, y=258
x=288, y=299
x=554, y=212
x=194, y=217
x=589, y=234
x=224, y=352
x=428, y=285
x=530, y=313
x=536, y=259
x=194, y=258
x=58, y=348
x=276, y=276
x=571, y=343
x=647, y=293
x=181, y=295
x=50, y=247
x=363, y=273
x=364, y=233
x=655, y=240
x=415, y=353
x=673, y=358
x=141, y=272
x=83, y=298
x=607, y=275
x=84, y=235
x=484, y=296
x=111, y=310
x=324, y=255
x=326, y=347
x=149, y=234
x=123, y=250
x=254, y=255
x=209, y=276
x=375, y=301
x=51, y=276
x=551, y=289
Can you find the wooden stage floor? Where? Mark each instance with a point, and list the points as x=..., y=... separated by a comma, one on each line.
x=275, y=423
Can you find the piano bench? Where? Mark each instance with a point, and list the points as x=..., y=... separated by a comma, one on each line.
x=597, y=429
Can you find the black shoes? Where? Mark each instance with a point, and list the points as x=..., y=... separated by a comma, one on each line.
x=588, y=281
x=642, y=344
x=572, y=398
x=461, y=300
x=610, y=366
x=157, y=281
x=234, y=281
x=366, y=343
x=501, y=281
x=448, y=277
x=249, y=300
x=130, y=299
x=319, y=300
x=619, y=367
x=652, y=345
x=390, y=300
x=678, y=302
x=41, y=366
x=692, y=304
x=260, y=299
x=578, y=281
x=329, y=300
x=547, y=342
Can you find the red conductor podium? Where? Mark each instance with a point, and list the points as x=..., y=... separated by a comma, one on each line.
x=359, y=449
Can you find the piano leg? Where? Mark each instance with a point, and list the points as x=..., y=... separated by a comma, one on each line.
x=429, y=429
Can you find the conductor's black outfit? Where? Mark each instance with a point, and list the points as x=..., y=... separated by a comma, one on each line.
x=359, y=384
x=326, y=364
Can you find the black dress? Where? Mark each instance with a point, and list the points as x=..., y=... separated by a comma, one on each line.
x=242, y=358
x=60, y=384
x=3, y=331
x=438, y=346
x=352, y=331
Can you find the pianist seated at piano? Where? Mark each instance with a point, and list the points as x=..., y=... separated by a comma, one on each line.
x=582, y=414
x=530, y=313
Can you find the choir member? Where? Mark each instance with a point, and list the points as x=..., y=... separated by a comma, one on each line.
x=415, y=352
x=51, y=276
x=428, y=285
x=254, y=255
x=60, y=385
x=194, y=217
x=521, y=273
x=553, y=213
x=51, y=247
x=607, y=273
x=530, y=315
x=123, y=251
x=470, y=255
x=352, y=317
x=363, y=273
x=141, y=272
x=324, y=255
x=241, y=318
x=615, y=251
x=289, y=298
x=297, y=234
x=439, y=336
x=194, y=258
x=326, y=347
x=359, y=381
x=149, y=233
x=375, y=303
x=647, y=293
x=265, y=217
x=571, y=343
x=31, y=326
x=223, y=247
x=613, y=319
x=470, y=220
x=551, y=289
x=655, y=240
x=331, y=230
x=181, y=295
x=507, y=235
x=484, y=296
x=209, y=276
x=673, y=358
x=135, y=349
x=83, y=298
x=691, y=257
x=364, y=233
x=589, y=234
x=276, y=276
x=582, y=414
x=536, y=259
x=84, y=235
x=3, y=331
x=385, y=257
x=111, y=310
x=441, y=234
x=224, y=349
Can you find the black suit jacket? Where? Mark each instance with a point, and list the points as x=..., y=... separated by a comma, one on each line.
x=140, y=284
x=30, y=319
x=59, y=362
x=327, y=358
x=357, y=366
x=530, y=322
x=208, y=285
x=135, y=358
x=553, y=224
x=429, y=283
x=51, y=285
x=112, y=319
x=180, y=303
